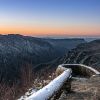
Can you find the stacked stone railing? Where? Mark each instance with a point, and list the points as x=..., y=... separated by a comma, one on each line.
x=64, y=74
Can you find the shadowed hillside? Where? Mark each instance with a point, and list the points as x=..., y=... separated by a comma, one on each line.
x=18, y=50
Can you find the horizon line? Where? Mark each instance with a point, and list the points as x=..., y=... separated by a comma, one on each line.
x=55, y=36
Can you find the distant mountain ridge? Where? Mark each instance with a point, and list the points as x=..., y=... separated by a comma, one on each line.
x=17, y=50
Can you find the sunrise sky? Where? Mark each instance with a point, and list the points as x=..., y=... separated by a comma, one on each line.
x=50, y=17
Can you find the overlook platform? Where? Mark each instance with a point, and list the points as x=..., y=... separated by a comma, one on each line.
x=72, y=82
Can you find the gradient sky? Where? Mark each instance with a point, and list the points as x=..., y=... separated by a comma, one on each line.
x=50, y=17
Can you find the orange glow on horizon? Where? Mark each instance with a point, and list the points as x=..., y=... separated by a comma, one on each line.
x=56, y=31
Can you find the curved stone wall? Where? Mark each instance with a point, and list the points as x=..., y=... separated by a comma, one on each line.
x=81, y=70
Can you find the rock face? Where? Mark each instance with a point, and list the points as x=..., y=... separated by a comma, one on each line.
x=86, y=53
x=16, y=50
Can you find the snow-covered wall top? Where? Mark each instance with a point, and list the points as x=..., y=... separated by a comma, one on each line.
x=50, y=89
